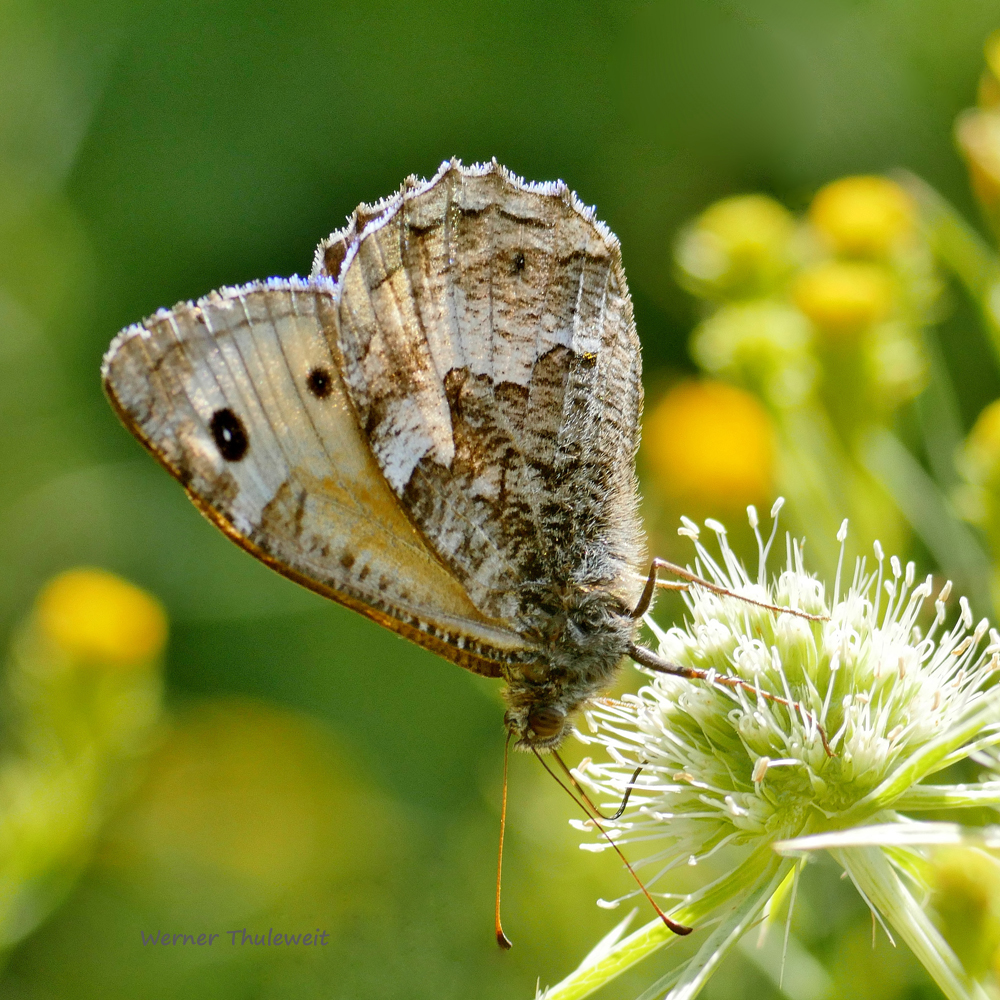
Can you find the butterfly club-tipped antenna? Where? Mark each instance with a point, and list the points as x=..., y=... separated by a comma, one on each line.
x=502, y=940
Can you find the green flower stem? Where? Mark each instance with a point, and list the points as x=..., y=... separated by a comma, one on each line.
x=654, y=935
x=874, y=876
x=938, y=414
x=971, y=258
x=815, y=475
x=929, y=513
x=686, y=982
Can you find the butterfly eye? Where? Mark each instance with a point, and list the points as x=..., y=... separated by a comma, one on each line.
x=546, y=722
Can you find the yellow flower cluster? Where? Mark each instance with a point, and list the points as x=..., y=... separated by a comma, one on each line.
x=865, y=216
x=713, y=443
x=83, y=695
x=816, y=324
x=844, y=296
x=100, y=618
x=977, y=132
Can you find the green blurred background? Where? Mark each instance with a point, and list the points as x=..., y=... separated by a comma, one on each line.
x=315, y=770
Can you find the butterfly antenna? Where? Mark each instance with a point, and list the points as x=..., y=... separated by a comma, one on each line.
x=672, y=925
x=586, y=798
x=649, y=659
x=502, y=938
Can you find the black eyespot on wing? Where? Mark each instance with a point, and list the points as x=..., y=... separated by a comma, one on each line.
x=517, y=263
x=588, y=359
x=230, y=435
x=320, y=382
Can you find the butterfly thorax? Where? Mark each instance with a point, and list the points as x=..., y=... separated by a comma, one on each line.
x=583, y=633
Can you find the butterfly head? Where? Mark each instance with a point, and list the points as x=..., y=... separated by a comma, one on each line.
x=582, y=636
x=538, y=727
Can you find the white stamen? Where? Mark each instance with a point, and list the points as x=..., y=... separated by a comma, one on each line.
x=963, y=603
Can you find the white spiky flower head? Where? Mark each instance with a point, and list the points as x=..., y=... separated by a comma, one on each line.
x=825, y=747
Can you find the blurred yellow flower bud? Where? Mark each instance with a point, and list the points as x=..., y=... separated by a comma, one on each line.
x=966, y=896
x=97, y=616
x=711, y=446
x=737, y=247
x=245, y=803
x=762, y=345
x=844, y=296
x=978, y=135
x=980, y=459
x=978, y=497
x=989, y=82
x=863, y=216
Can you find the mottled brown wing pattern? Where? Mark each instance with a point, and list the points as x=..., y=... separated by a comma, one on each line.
x=486, y=340
x=239, y=396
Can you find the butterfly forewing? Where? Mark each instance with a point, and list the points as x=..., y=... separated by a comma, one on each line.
x=239, y=396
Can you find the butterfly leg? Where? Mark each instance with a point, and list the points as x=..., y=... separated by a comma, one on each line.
x=646, y=599
x=647, y=658
x=652, y=582
x=586, y=798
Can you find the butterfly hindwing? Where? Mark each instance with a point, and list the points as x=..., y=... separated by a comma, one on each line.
x=239, y=396
x=486, y=341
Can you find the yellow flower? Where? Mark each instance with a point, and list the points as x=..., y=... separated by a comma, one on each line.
x=99, y=617
x=711, y=445
x=981, y=454
x=738, y=246
x=966, y=896
x=863, y=215
x=978, y=135
x=989, y=82
x=844, y=296
x=245, y=803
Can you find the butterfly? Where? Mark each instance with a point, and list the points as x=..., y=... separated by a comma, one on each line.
x=437, y=428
